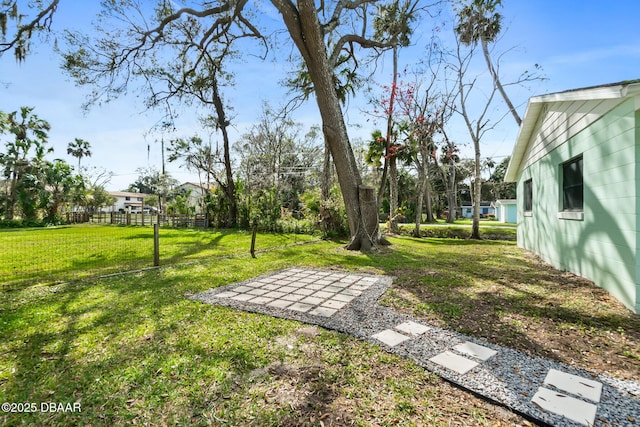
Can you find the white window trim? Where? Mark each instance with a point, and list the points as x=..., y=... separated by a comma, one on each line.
x=571, y=215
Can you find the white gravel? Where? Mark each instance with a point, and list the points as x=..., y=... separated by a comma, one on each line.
x=510, y=378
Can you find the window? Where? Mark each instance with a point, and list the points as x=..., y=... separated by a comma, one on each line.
x=572, y=185
x=528, y=195
x=127, y=198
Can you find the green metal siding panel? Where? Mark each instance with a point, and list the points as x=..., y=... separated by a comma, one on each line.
x=637, y=202
x=602, y=246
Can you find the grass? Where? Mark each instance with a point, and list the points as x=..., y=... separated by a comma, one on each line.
x=50, y=255
x=133, y=349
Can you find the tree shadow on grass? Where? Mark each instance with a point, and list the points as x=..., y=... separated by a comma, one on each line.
x=127, y=354
x=500, y=293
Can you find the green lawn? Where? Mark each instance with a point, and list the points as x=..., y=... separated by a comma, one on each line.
x=49, y=255
x=133, y=349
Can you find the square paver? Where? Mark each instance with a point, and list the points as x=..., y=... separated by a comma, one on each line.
x=343, y=297
x=304, y=291
x=412, y=328
x=333, y=288
x=314, y=286
x=312, y=300
x=454, y=362
x=324, y=282
x=274, y=294
x=569, y=407
x=334, y=304
x=257, y=291
x=280, y=303
x=293, y=297
x=351, y=292
x=226, y=294
x=300, y=306
x=287, y=289
x=261, y=300
x=271, y=286
x=257, y=284
x=323, y=311
x=323, y=294
x=475, y=350
x=243, y=297
x=241, y=289
x=390, y=337
x=574, y=384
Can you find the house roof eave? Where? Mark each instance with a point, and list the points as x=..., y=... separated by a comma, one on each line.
x=524, y=135
x=536, y=104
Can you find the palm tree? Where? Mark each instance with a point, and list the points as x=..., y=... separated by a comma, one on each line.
x=30, y=134
x=479, y=22
x=79, y=148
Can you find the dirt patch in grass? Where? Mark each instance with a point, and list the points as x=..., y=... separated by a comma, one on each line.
x=328, y=379
x=512, y=298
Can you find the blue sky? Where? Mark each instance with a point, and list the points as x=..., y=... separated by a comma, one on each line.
x=577, y=42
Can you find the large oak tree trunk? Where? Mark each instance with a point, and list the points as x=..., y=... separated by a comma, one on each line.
x=304, y=27
x=230, y=187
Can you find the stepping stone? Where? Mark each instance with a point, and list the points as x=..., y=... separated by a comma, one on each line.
x=313, y=300
x=280, y=303
x=475, y=350
x=412, y=328
x=226, y=294
x=261, y=300
x=334, y=304
x=293, y=297
x=323, y=311
x=454, y=362
x=243, y=297
x=300, y=306
x=574, y=384
x=323, y=294
x=343, y=298
x=390, y=337
x=303, y=291
x=274, y=294
x=569, y=407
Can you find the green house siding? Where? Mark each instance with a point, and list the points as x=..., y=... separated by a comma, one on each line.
x=602, y=245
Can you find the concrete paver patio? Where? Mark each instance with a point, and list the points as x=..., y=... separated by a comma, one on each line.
x=546, y=391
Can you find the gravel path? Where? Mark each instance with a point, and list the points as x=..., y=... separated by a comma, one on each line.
x=546, y=391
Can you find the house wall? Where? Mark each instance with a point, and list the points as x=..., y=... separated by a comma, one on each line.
x=602, y=245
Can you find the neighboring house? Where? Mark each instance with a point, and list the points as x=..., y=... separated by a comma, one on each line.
x=485, y=210
x=196, y=195
x=506, y=210
x=127, y=202
x=577, y=166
